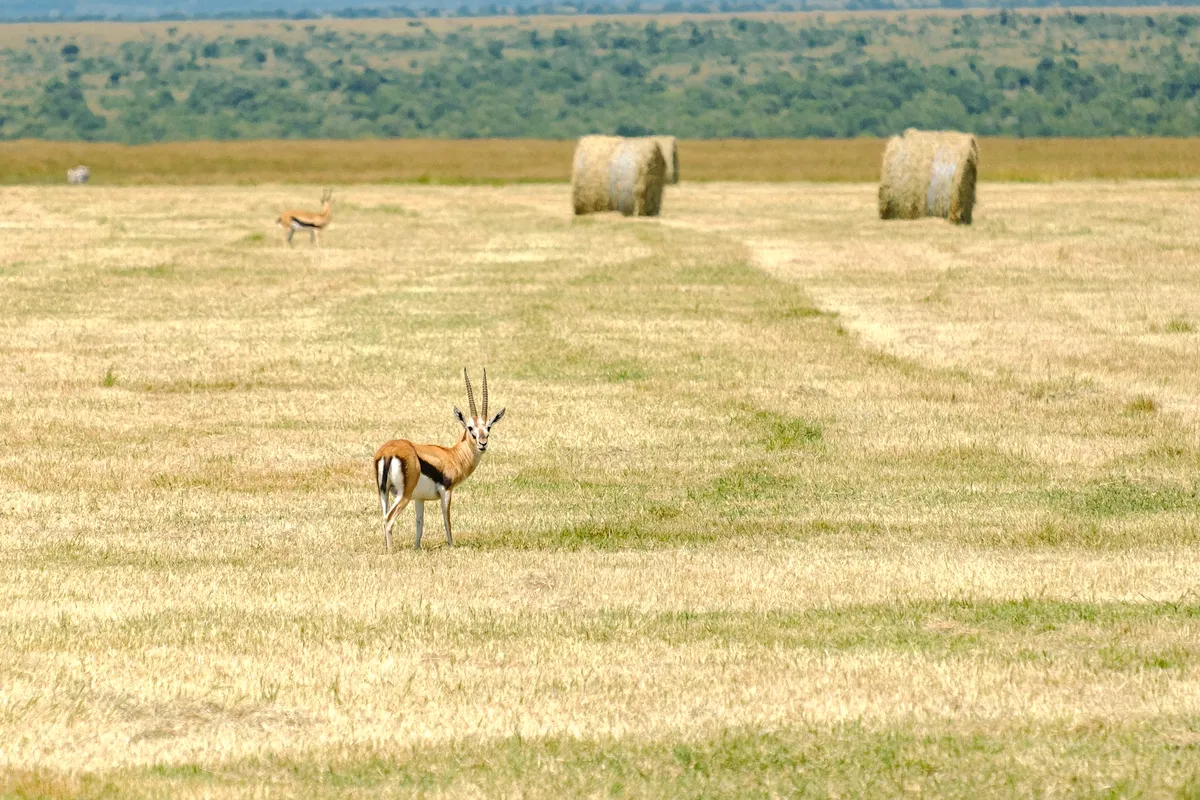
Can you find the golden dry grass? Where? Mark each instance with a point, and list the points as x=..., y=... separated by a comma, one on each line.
x=788, y=499
x=525, y=160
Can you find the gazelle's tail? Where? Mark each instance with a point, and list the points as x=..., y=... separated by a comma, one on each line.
x=382, y=466
x=383, y=470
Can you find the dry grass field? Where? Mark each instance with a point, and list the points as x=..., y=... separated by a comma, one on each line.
x=788, y=501
x=502, y=161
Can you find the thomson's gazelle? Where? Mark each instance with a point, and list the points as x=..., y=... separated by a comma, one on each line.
x=311, y=221
x=423, y=472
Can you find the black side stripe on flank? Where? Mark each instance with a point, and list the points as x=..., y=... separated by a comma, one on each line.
x=433, y=473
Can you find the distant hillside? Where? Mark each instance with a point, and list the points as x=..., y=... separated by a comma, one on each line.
x=55, y=10
x=708, y=76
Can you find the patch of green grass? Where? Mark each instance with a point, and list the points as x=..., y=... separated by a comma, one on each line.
x=1124, y=658
x=746, y=482
x=978, y=462
x=1120, y=497
x=258, y=237
x=627, y=370
x=1063, y=533
x=110, y=379
x=663, y=512
x=1142, y=404
x=781, y=432
x=187, y=772
x=189, y=386
x=398, y=211
x=1179, y=326
x=801, y=311
x=1058, y=388
x=644, y=532
x=156, y=271
x=593, y=535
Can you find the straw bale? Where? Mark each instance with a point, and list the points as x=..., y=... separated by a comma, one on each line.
x=589, y=173
x=929, y=174
x=615, y=174
x=669, y=146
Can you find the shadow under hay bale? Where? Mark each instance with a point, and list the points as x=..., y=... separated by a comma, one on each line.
x=929, y=174
x=615, y=174
x=670, y=151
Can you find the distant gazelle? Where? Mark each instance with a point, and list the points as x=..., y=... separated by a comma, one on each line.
x=311, y=221
x=423, y=472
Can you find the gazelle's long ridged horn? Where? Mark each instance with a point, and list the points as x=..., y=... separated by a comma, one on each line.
x=485, y=393
x=470, y=393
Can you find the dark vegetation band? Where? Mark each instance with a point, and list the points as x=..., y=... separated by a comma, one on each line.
x=1026, y=74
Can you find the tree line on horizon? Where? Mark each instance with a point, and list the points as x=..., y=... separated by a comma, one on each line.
x=187, y=10
x=1005, y=73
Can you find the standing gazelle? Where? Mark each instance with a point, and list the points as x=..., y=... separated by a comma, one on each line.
x=311, y=221
x=423, y=472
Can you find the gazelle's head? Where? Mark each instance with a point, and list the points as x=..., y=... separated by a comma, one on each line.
x=477, y=426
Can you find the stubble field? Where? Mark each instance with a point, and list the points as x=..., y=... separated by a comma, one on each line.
x=787, y=501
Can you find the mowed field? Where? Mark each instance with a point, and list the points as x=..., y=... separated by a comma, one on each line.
x=787, y=501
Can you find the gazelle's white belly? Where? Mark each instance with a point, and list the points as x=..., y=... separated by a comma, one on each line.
x=426, y=489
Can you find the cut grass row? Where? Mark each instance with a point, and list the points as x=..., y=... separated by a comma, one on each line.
x=492, y=161
x=798, y=761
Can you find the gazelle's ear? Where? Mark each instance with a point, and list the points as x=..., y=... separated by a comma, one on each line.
x=496, y=418
x=459, y=416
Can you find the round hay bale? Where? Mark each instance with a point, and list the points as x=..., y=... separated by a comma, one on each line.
x=636, y=177
x=589, y=173
x=670, y=151
x=929, y=174
x=615, y=174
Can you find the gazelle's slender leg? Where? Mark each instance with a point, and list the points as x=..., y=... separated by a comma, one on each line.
x=420, y=506
x=390, y=520
x=290, y=232
x=446, y=496
x=384, y=483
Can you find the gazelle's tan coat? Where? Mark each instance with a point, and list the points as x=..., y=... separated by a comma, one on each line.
x=312, y=221
x=423, y=472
